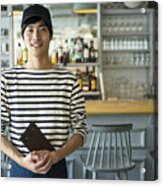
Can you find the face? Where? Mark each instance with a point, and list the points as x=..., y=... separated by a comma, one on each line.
x=37, y=38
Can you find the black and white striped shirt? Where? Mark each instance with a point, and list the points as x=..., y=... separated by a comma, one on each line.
x=51, y=98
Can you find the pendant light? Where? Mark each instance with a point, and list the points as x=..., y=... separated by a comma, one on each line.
x=85, y=8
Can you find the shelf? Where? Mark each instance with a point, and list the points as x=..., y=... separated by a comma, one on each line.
x=83, y=64
x=132, y=11
x=126, y=34
x=6, y=55
x=4, y=14
x=121, y=107
x=127, y=50
x=126, y=66
x=79, y=64
x=4, y=68
x=5, y=38
x=91, y=93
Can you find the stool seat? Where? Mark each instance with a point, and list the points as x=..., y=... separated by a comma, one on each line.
x=132, y=165
x=109, y=150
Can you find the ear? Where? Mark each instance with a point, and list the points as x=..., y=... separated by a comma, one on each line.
x=51, y=37
x=22, y=37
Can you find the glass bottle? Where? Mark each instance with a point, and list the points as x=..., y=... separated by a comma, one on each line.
x=79, y=78
x=25, y=55
x=54, y=56
x=93, y=80
x=72, y=51
x=92, y=52
x=78, y=50
x=86, y=53
x=19, y=55
x=65, y=53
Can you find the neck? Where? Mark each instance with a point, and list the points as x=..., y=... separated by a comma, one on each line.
x=39, y=63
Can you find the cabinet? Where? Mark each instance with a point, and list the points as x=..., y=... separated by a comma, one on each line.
x=126, y=39
x=84, y=27
x=6, y=37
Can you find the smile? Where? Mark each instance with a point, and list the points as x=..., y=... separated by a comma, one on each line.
x=36, y=45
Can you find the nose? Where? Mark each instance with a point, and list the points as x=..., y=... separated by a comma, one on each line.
x=36, y=35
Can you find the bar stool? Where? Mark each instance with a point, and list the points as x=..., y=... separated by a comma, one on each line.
x=5, y=165
x=5, y=160
x=109, y=151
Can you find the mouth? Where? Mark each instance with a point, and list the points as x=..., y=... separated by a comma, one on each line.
x=36, y=45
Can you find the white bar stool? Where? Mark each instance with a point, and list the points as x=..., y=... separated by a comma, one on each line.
x=109, y=150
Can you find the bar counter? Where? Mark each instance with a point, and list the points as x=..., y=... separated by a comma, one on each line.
x=121, y=107
x=143, y=115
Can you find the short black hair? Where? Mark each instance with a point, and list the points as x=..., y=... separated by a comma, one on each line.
x=35, y=20
x=35, y=13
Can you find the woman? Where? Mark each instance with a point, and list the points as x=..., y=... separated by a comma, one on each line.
x=51, y=97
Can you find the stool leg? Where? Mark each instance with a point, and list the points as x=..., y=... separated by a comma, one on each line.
x=85, y=171
x=94, y=175
x=117, y=175
x=71, y=175
x=125, y=175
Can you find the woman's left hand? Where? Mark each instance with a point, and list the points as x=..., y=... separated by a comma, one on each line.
x=45, y=160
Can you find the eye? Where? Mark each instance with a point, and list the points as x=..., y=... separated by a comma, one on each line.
x=29, y=30
x=43, y=29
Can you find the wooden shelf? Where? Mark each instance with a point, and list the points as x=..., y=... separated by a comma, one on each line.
x=91, y=93
x=121, y=107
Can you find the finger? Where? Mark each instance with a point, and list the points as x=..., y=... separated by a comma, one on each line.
x=39, y=163
x=45, y=168
x=35, y=158
x=37, y=155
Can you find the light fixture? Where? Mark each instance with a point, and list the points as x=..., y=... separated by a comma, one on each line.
x=85, y=8
x=18, y=10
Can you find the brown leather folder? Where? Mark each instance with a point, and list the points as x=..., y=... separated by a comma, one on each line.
x=34, y=139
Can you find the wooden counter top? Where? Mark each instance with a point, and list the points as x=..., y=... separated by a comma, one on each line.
x=120, y=107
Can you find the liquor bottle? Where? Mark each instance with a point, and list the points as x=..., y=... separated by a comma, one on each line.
x=92, y=52
x=93, y=81
x=60, y=55
x=19, y=55
x=78, y=50
x=86, y=81
x=79, y=78
x=72, y=51
x=86, y=53
x=65, y=53
x=54, y=57
x=25, y=55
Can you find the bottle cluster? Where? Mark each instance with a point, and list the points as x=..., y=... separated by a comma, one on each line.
x=22, y=54
x=87, y=79
x=74, y=50
x=122, y=43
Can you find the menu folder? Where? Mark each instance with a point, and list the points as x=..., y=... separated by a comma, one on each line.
x=34, y=139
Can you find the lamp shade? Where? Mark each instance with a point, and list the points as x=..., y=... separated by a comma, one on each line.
x=85, y=8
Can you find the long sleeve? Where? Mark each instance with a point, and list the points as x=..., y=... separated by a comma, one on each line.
x=5, y=114
x=78, y=113
x=50, y=98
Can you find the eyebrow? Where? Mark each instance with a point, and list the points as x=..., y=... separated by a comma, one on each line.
x=41, y=25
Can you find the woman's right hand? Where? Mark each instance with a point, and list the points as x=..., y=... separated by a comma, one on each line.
x=31, y=162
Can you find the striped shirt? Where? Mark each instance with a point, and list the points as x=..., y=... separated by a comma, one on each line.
x=51, y=98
